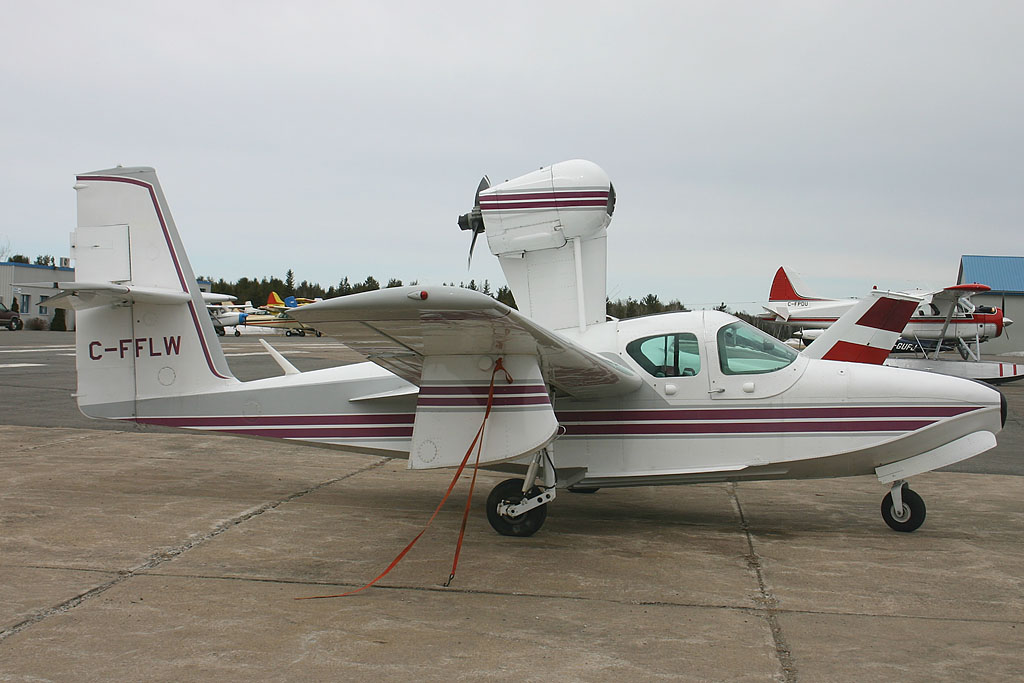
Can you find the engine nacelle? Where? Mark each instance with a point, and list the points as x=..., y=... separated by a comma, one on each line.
x=549, y=228
x=546, y=208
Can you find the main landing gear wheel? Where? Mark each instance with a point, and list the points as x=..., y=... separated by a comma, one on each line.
x=287, y=333
x=526, y=524
x=910, y=517
x=237, y=333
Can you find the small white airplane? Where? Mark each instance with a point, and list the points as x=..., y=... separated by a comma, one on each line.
x=667, y=399
x=230, y=315
x=944, y=319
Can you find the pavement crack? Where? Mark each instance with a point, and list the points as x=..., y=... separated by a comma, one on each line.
x=167, y=554
x=767, y=604
x=59, y=442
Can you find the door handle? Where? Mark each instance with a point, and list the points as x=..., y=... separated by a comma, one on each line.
x=717, y=391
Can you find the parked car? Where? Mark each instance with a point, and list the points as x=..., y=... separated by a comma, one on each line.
x=10, y=319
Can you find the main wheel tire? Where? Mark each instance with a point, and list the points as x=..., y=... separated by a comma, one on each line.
x=237, y=333
x=287, y=333
x=526, y=524
x=910, y=517
x=302, y=333
x=319, y=333
x=220, y=331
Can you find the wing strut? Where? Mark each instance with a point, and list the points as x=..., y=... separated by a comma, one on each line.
x=945, y=326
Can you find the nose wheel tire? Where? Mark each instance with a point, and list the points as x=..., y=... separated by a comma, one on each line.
x=526, y=524
x=910, y=517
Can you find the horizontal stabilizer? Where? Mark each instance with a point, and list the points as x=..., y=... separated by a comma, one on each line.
x=79, y=295
x=779, y=311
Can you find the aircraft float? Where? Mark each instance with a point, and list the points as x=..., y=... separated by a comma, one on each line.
x=554, y=392
x=944, y=319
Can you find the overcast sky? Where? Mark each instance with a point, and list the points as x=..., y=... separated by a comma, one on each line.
x=858, y=143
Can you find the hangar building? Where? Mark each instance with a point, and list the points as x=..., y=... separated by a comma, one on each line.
x=1005, y=275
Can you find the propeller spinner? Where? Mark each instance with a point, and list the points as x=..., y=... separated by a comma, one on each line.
x=474, y=220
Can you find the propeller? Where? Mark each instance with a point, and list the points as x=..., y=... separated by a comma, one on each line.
x=1006, y=325
x=474, y=220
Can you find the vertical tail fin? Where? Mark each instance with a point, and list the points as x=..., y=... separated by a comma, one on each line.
x=789, y=287
x=274, y=300
x=867, y=332
x=143, y=331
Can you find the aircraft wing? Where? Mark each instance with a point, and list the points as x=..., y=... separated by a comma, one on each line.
x=398, y=328
x=945, y=298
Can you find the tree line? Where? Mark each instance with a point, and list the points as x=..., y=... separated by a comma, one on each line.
x=258, y=290
x=42, y=260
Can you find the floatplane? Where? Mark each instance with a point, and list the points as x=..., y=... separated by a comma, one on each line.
x=945, y=319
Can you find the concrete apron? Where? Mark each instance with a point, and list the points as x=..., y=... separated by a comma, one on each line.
x=153, y=556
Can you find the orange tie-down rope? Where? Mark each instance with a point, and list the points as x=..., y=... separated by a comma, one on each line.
x=478, y=443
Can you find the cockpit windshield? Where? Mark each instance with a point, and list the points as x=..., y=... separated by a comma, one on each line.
x=745, y=350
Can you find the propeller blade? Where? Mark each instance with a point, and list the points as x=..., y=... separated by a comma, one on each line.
x=485, y=183
x=472, y=245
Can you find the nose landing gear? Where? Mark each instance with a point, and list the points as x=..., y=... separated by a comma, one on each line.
x=902, y=508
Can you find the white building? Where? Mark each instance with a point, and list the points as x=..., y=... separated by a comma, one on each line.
x=32, y=300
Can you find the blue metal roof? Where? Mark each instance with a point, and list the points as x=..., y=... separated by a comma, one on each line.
x=34, y=265
x=1001, y=273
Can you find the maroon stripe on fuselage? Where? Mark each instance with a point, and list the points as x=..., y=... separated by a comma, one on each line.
x=508, y=389
x=567, y=416
x=327, y=432
x=656, y=428
x=280, y=420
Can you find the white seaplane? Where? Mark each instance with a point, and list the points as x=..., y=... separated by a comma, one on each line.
x=668, y=399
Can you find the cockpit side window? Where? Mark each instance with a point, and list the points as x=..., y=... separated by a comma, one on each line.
x=667, y=355
x=745, y=350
